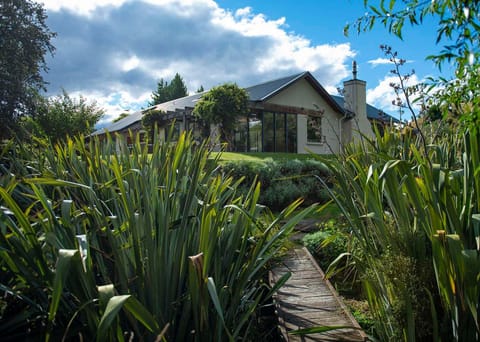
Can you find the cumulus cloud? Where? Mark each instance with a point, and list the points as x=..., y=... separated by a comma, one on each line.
x=383, y=96
x=83, y=7
x=379, y=61
x=117, y=50
x=383, y=61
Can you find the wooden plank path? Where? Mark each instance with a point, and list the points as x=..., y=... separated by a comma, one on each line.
x=308, y=300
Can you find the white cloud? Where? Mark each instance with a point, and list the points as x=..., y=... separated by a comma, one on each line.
x=383, y=61
x=383, y=95
x=117, y=50
x=89, y=7
x=115, y=103
x=130, y=64
x=243, y=11
x=379, y=61
x=247, y=23
x=288, y=50
x=81, y=7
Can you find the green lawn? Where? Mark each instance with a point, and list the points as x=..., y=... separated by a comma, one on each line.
x=259, y=156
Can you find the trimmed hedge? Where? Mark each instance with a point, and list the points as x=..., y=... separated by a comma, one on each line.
x=283, y=181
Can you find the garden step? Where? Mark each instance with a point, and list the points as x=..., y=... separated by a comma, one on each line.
x=309, y=300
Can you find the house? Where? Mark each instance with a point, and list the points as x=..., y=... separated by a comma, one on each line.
x=291, y=114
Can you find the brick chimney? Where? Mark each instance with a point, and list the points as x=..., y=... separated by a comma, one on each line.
x=355, y=96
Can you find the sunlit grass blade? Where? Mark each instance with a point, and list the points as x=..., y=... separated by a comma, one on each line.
x=114, y=305
x=64, y=263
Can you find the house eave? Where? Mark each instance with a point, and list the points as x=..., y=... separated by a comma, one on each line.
x=272, y=107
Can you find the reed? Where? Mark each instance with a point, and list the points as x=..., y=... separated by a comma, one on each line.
x=108, y=241
x=414, y=215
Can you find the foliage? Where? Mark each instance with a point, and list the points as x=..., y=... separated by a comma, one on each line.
x=331, y=245
x=107, y=241
x=25, y=39
x=282, y=181
x=458, y=29
x=457, y=96
x=223, y=105
x=362, y=315
x=458, y=23
x=326, y=244
x=414, y=215
x=151, y=118
x=121, y=116
x=169, y=91
x=63, y=116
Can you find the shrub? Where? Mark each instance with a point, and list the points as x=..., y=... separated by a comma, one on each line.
x=282, y=181
x=326, y=245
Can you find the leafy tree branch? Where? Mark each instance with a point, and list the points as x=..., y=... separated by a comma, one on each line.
x=222, y=106
x=24, y=41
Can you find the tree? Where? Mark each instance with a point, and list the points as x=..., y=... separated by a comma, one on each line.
x=200, y=89
x=120, y=117
x=458, y=29
x=161, y=94
x=458, y=24
x=152, y=118
x=223, y=105
x=64, y=116
x=178, y=88
x=24, y=41
x=167, y=92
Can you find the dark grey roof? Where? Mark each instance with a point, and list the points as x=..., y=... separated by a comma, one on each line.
x=263, y=91
x=121, y=124
x=174, y=106
x=373, y=113
x=179, y=104
x=257, y=93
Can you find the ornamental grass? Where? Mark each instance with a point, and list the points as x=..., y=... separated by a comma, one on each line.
x=109, y=241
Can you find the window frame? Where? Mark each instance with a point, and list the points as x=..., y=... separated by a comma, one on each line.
x=318, y=138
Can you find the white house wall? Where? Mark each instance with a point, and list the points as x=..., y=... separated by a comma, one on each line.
x=301, y=94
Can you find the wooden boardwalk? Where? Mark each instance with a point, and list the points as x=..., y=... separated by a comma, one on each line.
x=309, y=300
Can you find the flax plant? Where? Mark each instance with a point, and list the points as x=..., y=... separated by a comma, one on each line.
x=414, y=216
x=148, y=242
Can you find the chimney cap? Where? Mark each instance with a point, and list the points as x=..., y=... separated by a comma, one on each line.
x=354, y=70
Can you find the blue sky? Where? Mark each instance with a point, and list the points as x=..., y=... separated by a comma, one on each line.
x=115, y=51
x=323, y=22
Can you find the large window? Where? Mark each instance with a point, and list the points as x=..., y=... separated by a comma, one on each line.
x=291, y=133
x=314, y=129
x=280, y=135
x=269, y=132
x=255, y=133
x=240, y=135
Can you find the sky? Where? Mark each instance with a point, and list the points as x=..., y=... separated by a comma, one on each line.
x=115, y=51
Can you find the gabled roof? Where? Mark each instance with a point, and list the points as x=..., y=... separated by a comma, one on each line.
x=264, y=91
x=179, y=104
x=124, y=123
